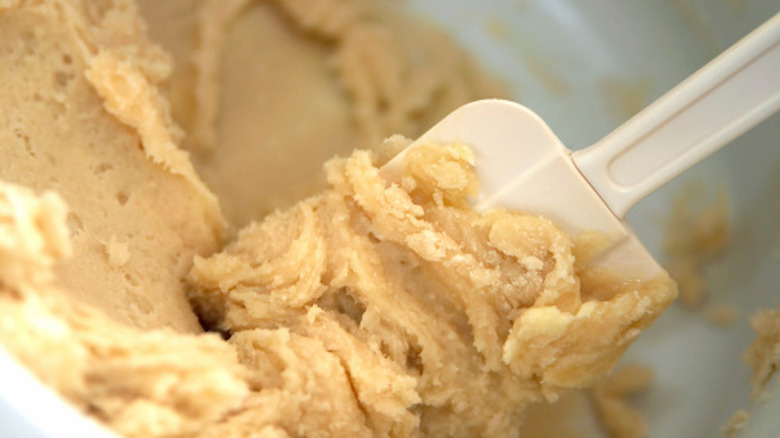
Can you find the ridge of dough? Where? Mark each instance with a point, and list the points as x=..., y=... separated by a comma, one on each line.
x=459, y=320
x=82, y=116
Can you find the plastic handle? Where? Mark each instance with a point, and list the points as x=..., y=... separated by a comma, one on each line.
x=725, y=98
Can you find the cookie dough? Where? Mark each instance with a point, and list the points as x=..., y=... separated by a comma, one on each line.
x=368, y=310
x=763, y=355
x=429, y=317
x=81, y=114
x=267, y=91
x=138, y=382
x=697, y=234
x=736, y=423
x=374, y=308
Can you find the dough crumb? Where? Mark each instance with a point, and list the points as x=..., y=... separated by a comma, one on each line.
x=618, y=417
x=33, y=236
x=722, y=315
x=763, y=355
x=698, y=233
x=735, y=423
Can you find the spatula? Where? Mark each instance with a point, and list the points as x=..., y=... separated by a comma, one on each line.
x=522, y=165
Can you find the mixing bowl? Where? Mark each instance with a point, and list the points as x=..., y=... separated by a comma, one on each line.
x=585, y=67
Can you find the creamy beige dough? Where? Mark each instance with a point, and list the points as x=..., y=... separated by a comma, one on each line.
x=80, y=114
x=139, y=382
x=374, y=308
x=368, y=310
x=431, y=318
x=269, y=90
x=763, y=355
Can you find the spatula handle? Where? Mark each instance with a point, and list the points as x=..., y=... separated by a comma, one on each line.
x=725, y=98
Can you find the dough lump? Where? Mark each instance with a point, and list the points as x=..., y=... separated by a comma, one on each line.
x=138, y=382
x=267, y=91
x=431, y=318
x=81, y=114
x=763, y=354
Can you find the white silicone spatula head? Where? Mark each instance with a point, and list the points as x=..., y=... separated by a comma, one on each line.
x=522, y=165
